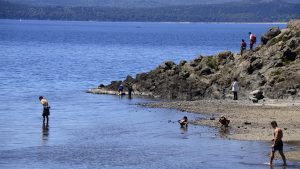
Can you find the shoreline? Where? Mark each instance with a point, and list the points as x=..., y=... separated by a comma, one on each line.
x=248, y=121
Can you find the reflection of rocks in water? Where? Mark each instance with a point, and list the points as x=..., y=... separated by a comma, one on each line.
x=45, y=131
x=224, y=132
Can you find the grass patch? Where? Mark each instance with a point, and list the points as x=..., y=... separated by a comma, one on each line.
x=286, y=61
x=212, y=62
x=276, y=72
x=285, y=38
x=274, y=41
x=282, y=38
x=298, y=33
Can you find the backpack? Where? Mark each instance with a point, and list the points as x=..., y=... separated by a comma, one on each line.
x=253, y=38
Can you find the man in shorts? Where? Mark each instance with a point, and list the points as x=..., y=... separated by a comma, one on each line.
x=277, y=143
x=46, y=110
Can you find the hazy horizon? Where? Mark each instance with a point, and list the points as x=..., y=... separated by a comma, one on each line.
x=133, y=3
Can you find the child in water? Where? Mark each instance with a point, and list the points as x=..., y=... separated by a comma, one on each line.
x=183, y=122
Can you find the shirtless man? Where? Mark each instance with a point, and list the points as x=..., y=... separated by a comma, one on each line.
x=277, y=143
x=183, y=122
x=46, y=111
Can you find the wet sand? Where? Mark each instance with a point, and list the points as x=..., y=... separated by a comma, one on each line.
x=249, y=121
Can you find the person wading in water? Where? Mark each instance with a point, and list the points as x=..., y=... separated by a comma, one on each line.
x=277, y=143
x=46, y=110
x=183, y=122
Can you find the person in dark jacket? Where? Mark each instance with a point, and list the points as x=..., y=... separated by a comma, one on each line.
x=243, y=46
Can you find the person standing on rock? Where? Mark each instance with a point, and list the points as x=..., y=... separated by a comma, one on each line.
x=46, y=109
x=243, y=46
x=252, y=38
x=277, y=143
x=235, y=89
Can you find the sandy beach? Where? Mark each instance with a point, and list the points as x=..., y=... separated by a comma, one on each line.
x=249, y=121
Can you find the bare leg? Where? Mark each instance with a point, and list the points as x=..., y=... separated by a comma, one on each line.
x=283, y=157
x=272, y=157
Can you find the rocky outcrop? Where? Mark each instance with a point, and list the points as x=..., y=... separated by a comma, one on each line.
x=272, y=68
x=274, y=31
x=256, y=95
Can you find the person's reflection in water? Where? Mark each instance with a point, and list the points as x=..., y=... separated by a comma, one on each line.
x=130, y=90
x=272, y=167
x=183, y=130
x=45, y=132
x=121, y=96
x=224, y=132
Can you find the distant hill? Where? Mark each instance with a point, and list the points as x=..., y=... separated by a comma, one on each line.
x=119, y=3
x=133, y=3
x=270, y=11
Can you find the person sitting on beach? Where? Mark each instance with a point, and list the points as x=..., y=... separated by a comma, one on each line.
x=224, y=121
x=120, y=89
x=277, y=143
x=46, y=110
x=183, y=122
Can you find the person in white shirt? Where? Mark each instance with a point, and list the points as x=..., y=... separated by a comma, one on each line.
x=235, y=88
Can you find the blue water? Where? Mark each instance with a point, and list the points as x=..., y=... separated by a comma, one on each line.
x=60, y=60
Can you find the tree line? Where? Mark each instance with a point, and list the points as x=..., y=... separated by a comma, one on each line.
x=230, y=12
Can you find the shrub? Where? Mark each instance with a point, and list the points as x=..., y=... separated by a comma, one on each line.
x=276, y=72
x=212, y=62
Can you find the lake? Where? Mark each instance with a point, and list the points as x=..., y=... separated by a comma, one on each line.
x=62, y=59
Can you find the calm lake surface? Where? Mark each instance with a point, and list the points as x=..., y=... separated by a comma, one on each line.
x=60, y=60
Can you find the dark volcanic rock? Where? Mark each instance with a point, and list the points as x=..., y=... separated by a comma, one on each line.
x=288, y=54
x=206, y=71
x=274, y=31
